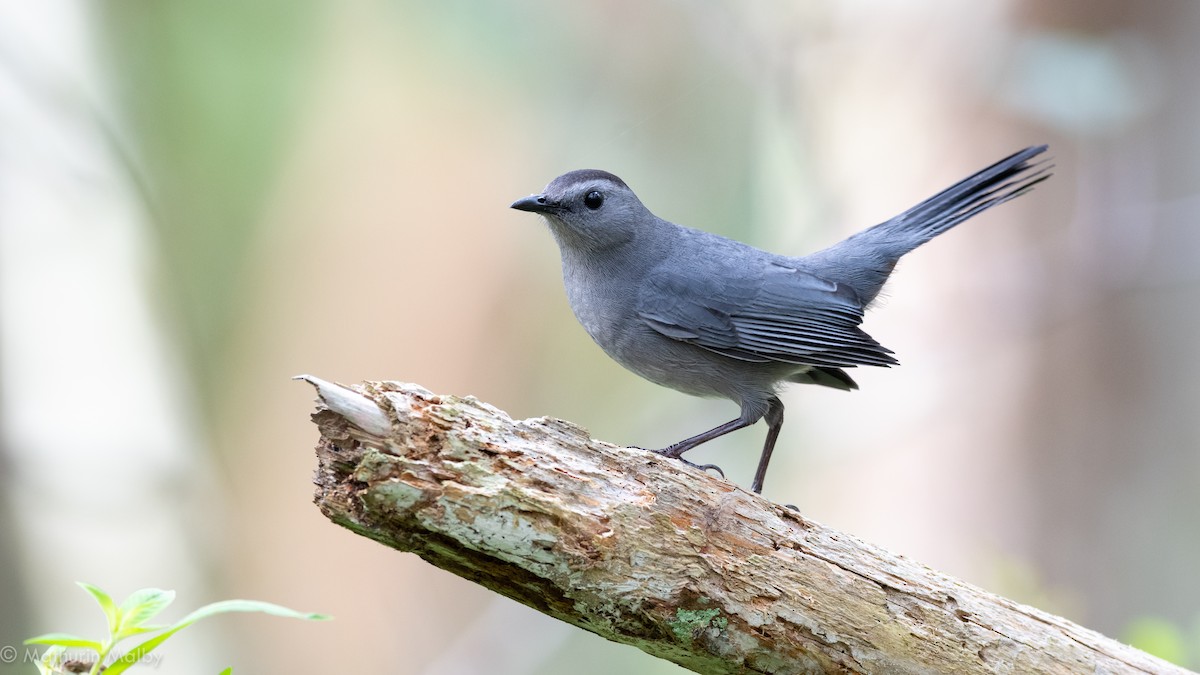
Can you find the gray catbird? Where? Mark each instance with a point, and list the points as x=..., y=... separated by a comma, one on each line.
x=710, y=316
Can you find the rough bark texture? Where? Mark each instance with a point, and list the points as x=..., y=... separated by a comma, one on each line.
x=648, y=552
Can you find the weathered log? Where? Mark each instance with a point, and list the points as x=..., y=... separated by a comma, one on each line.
x=646, y=551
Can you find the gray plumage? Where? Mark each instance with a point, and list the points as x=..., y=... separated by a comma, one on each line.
x=710, y=316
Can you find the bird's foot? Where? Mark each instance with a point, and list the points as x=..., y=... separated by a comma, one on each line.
x=703, y=467
x=666, y=452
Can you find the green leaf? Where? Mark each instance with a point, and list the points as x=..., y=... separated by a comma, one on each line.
x=225, y=606
x=65, y=640
x=106, y=603
x=227, y=671
x=134, y=655
x=130, y=631
x=140, y=607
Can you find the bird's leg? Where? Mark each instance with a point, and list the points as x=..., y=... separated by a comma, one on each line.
x=676, y=450
x=774, y=419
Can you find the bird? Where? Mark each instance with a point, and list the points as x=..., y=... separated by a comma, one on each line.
x=713, y=317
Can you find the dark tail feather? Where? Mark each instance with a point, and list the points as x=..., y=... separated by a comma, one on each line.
x=866, y=259
x=827, y=376
x=1007, y=179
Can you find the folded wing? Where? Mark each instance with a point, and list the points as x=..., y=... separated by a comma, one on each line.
x=779, y=313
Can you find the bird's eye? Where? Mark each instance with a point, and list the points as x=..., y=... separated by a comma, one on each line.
x=593, y=200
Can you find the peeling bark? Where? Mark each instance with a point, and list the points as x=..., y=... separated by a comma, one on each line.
x=645, y=551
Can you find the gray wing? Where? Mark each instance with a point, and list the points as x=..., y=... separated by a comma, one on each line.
x=775, y=313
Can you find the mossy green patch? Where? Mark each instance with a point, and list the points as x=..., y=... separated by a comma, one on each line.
x=689, y=622
x=394, y=496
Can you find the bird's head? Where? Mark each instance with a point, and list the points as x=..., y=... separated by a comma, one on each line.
x=589, y=209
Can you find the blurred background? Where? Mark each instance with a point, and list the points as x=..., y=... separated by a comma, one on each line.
x=200, y=200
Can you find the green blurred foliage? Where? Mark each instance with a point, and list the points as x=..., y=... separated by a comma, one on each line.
x=1165, y=640
x=210, y=90
x=606, y=87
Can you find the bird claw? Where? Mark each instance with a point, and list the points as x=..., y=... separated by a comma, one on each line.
x=704, y=467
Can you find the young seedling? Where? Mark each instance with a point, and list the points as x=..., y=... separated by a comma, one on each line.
x=129, y=619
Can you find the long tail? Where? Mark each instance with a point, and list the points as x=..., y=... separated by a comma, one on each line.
x=865, y=260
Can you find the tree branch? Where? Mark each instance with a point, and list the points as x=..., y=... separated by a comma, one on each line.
x=645, y=551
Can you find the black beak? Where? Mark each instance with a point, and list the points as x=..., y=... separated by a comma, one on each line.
x=535, y=204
